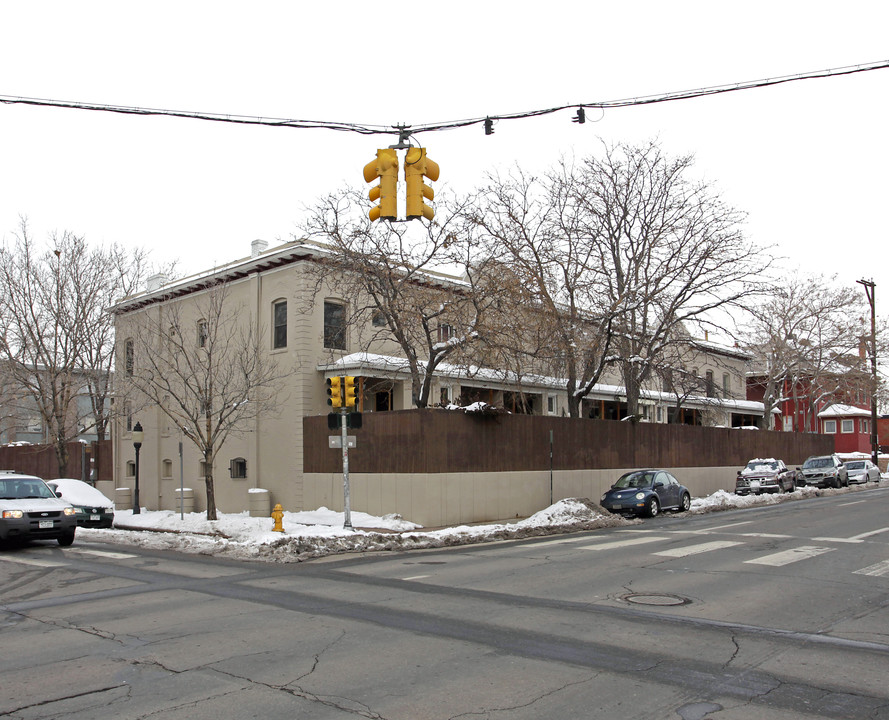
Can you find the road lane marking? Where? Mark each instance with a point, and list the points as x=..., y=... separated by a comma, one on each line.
x=790, y=556
x=34, y=562
x=695, y=549
x=765, y=535
x=856, y=502
x=877, y=570
x=101, y=553
x=868, y=534
x=415, y=577
x=623, y=543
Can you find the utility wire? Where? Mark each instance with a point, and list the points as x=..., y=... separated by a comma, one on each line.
x=364, y=129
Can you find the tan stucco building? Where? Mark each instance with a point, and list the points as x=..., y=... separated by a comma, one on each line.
x=305, y=333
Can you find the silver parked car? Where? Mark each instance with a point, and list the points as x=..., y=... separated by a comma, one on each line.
x=825, y=471
x=862, y=471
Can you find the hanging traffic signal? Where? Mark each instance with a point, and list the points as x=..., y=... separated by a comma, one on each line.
x=417, y=166
x=385, y=167
x=335, y=392
x=350, y=399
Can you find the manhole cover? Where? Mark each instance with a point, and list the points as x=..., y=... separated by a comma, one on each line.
x=647, y=599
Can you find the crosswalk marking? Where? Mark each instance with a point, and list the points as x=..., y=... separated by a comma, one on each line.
x=722, y=527
x=850, y=541
x=765, y=535
x=623, y=543
x=695, y=549
x=101, y=553
x=31, y=561
x=876, y=570
x=790, y=556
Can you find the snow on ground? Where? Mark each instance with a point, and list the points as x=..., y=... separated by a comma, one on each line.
x=320, y=532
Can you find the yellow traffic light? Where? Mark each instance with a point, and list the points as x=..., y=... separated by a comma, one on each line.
x=385, y=167
x=350, y=399
x=417, y=166
x=334, y=392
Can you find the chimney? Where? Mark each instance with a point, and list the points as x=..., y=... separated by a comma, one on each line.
x=156, y=282
x=257, y=248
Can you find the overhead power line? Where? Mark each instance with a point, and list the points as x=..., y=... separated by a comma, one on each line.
x=487, y=119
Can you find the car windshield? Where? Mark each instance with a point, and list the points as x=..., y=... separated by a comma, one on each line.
x=856, y=465
x=762, y=465
x=818, y=462
x=20, y=488
x=639, y=478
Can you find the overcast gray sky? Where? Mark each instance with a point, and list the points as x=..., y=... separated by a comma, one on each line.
x=807, y=160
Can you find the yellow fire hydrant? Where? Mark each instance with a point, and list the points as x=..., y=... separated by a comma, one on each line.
x=278, y=517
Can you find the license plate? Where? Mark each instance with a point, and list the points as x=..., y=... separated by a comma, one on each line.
x=45, y=524
x=95, y=518
x=754, y=484
x=617, y=506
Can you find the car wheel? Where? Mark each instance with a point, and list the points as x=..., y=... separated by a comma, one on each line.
x=685, y=503
x=66, y=539
x=654, y=507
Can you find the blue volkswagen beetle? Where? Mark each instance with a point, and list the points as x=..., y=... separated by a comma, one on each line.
x=646, y=492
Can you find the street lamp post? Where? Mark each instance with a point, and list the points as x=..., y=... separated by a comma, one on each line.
x=138, y=436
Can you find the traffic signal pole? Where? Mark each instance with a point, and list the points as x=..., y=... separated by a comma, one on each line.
x=347, y=502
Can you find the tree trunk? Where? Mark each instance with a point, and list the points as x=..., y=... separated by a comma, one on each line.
x=208, y=483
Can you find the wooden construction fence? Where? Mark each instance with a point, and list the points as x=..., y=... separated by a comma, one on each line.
x=40, y=460
x=441, y=441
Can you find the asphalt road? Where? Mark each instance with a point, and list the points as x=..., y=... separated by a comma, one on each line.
x=777, y=612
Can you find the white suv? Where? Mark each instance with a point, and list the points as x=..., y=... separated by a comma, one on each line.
x=30, y=510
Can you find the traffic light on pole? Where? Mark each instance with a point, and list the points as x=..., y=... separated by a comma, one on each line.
x=334, y=392
x=349, y=392
x=416, y=167
x=385, y=167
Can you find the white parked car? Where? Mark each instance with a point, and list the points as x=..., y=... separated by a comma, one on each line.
x=862, y=471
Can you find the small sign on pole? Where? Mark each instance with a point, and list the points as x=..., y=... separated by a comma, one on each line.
x=336, y=441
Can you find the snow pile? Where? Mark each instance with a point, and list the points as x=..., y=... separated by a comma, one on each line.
x=313, y=534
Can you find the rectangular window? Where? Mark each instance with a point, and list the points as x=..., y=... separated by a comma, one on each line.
x=865, y=425
x=280, y=324
x=551, y=405
x=830, y=427
x=129, y=357
x=726, y=385
x=238, y=468
x=167, y=469
x=203, y=333
x=788, y=423
x=848, y=426
x=334, y=326
x=203, y=469
x=445, y=333
x=131, y=468
x=711, y=388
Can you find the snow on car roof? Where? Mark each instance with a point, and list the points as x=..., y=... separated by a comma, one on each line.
x=78, y=492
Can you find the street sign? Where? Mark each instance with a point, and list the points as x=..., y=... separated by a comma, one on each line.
x=335, y=441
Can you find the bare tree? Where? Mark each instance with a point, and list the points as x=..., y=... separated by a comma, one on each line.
x=669, y=252
x=208, y=370
x=805, y=338
x=389, y=273
x=57, y=338
x=554, y=315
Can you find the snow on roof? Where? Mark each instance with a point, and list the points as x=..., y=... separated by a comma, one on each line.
x=839, y=410
x=498, y=379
